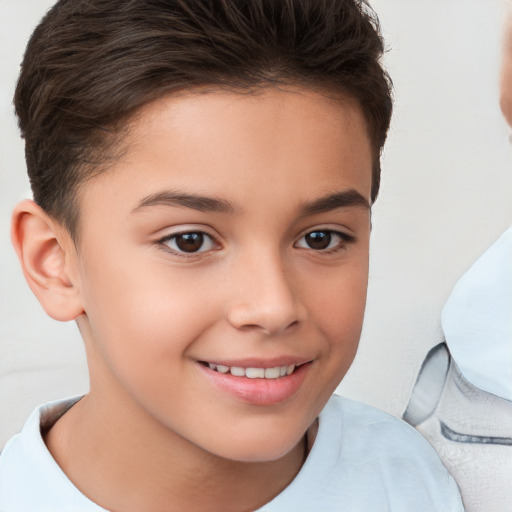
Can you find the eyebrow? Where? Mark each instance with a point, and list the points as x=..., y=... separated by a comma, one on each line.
x=346, y=198
x=192, y=201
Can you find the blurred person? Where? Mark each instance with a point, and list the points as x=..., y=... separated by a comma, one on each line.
x=462, y=399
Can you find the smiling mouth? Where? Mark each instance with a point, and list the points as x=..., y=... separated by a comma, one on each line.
x=254, y=373
x=258, y=382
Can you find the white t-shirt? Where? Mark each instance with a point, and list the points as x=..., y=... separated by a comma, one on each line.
x=363, y=460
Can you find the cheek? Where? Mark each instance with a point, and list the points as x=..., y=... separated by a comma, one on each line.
x=339, y=308
x=138, y=311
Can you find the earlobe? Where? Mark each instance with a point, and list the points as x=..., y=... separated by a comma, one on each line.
x=43, y=248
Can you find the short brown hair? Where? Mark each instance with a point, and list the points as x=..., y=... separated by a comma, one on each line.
x=91, y=64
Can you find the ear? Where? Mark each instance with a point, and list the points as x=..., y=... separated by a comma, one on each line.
x=48, y=256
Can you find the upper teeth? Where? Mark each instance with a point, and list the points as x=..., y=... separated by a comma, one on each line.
x=254, y=373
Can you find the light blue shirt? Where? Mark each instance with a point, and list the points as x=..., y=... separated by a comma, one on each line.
x=363, y=460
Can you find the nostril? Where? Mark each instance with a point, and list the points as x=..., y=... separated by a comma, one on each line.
x=267, y=328
x=270, y=311
x=249, y=327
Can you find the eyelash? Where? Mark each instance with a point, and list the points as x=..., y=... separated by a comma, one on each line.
x=344, y=238
x=179, y=251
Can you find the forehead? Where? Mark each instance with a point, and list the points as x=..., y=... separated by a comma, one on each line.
x=235, y=114
x=289, y=144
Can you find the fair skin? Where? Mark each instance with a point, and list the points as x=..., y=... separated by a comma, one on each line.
x=506, y=72
x=272, y=191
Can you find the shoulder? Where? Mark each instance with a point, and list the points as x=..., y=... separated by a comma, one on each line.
x=383, y=448
x=369, y=423
x=364, y=459
x=30, y=479
x=368, y=435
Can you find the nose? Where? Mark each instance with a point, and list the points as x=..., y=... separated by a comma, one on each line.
x=264, y=297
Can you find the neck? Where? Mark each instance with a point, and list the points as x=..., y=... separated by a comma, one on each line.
x=162, y=469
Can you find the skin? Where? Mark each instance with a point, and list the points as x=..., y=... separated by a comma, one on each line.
x=506, y=72
x=155, y=420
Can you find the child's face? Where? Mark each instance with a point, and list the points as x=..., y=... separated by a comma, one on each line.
x=234, y=232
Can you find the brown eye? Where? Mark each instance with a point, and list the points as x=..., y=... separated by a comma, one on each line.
x=326, y=240
x=189, y=242
x=318, y=240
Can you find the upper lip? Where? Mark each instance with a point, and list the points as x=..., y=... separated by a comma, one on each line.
x=254, y=362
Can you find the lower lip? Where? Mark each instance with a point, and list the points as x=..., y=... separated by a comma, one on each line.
x=259, y=391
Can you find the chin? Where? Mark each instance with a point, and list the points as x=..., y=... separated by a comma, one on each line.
x=262, y=449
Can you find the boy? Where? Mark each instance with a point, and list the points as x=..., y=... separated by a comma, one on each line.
x=203, y=173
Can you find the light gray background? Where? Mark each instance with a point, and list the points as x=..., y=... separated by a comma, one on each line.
x=446, y=196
